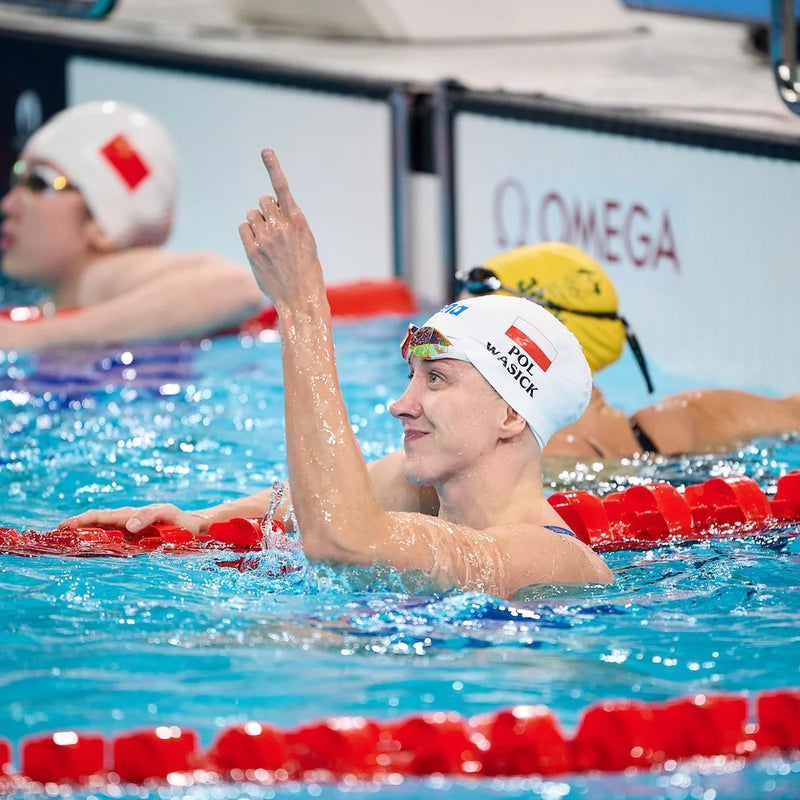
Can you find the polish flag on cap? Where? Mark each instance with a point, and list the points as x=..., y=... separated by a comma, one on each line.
x=541, y=350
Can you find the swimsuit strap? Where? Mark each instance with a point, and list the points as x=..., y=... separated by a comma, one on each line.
x=559, y=529
x=645, y=442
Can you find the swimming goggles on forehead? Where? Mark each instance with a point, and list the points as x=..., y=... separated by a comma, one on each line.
x=480, y=281
x=425, y=342
x=39, y=179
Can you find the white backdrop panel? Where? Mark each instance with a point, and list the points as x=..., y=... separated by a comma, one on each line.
x=701, y=244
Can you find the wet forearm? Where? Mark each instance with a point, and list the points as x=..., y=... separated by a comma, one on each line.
x=333, y=495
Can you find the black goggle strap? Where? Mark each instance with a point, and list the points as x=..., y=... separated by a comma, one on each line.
x=480, y=280
x=638, y=354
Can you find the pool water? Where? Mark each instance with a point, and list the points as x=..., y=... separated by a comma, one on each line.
x=107, y=645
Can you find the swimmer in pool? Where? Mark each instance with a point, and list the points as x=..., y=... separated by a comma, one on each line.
x=91, y=203
x=569, y=283
x=490, y=380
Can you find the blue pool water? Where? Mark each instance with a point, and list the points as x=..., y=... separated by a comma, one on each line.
x=109, y=645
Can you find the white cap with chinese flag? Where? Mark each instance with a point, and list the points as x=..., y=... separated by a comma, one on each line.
x=123, y=162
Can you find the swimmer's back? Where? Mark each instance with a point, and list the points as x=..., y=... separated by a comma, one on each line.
x=709, y=419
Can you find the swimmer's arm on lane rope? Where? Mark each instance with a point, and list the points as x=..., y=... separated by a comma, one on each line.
x=186, y=296
x=393, y=491
x=177, y=296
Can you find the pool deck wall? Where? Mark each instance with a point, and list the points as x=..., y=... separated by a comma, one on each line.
x=657, y=142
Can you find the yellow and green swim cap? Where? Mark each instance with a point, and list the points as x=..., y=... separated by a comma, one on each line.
x=576, y=290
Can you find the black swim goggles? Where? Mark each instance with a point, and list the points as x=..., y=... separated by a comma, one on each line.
x=480, y=280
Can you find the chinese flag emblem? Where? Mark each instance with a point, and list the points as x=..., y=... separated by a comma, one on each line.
x=124, y=159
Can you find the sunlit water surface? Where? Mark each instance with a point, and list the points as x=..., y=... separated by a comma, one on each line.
x=110, y=645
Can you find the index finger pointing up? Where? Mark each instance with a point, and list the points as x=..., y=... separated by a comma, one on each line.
x=279, y=183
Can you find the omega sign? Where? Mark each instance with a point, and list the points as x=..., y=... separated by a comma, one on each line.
x=613, y=231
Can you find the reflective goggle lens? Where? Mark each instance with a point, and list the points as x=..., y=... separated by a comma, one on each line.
x=38, y=179
x=424, y=342
x=478, y=281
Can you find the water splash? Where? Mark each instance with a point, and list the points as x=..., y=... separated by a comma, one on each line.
x=272, y=533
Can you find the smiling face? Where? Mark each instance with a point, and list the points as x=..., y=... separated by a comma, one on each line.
x=452, y=419
x=47, y=232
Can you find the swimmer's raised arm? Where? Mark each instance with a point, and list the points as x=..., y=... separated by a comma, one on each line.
x=334, y=501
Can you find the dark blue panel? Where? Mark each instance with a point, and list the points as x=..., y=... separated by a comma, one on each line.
x=734, y=10
x=89, y=9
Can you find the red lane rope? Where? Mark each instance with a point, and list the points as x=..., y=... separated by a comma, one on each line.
x=524, y=740
x=640, y=517
x=658, y=513
x=238, y=534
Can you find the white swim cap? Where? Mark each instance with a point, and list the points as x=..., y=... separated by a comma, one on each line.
x=530, y=359
x=123, y=162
